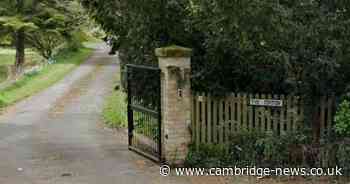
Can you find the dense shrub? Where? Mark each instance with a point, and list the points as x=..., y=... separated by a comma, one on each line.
x=271, y=150
x=245, y=149
x=208, y=156
x=341, y=139
x=343, y=156
x=74, y=42
x=342, y=119
x=251, y=149
x=255, y=46
x=286, y=47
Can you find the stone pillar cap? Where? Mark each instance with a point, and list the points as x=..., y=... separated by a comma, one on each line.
x=173, y=51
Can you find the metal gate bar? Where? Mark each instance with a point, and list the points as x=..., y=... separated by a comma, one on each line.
x=144, y=111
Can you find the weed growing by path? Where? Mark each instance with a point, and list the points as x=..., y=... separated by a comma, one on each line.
x=115, y=107
x=31, y=84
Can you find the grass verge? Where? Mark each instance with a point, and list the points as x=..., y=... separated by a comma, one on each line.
x=115, y=108
x=29, y=85
x=3, y=73
x=7, y=57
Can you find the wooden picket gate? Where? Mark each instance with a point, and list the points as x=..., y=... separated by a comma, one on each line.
x=215, y=119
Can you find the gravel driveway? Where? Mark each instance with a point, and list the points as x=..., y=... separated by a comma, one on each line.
x=57, y=137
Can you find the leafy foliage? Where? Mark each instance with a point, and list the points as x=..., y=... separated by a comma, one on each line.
x=257, y=46
x=342, y=119
x=271, y=150
x=138, y=27
x=275, y=46
x=207, y=156
x=16, y=23
x=343, y=158
x=251, y=149
x=45, y=42
x=44, y=25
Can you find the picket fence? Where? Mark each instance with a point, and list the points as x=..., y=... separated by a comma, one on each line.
x=214, y=120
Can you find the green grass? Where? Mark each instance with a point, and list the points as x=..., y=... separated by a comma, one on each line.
x=3, y=73
x=7, y=57
x=29, y=85
x=115, y=108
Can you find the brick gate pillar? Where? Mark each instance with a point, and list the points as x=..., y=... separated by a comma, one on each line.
x=175, y=65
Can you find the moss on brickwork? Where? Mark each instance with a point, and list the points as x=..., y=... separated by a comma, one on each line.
x=173, y=51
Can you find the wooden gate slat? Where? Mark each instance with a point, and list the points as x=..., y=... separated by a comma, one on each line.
x=203, y=122
x=250, y=113
x=215, y=121
x=289, y=113
x=239, y=112
x=221, y=123
x=276, y=118
x=193, y=114
x=295, y=114
x=257, y=115
x=263, y=113
x=232, y=100
x=269, y=114
x=209, y=120
x=198, y=126
x=282, y=120
x=244, y=110
x=227, y=121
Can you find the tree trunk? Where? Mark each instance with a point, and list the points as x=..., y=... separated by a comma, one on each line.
x=316, y=125
x=20, y=49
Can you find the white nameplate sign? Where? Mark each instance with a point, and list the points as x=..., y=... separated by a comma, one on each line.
x=266, y=102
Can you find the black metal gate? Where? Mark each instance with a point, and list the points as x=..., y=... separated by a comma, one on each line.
x=144, y=110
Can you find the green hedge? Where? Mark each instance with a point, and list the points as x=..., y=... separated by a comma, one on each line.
x=270, y=150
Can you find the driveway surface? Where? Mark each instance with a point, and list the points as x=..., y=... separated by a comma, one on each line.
x=57, y=137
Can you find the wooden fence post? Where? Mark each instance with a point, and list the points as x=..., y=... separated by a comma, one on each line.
x=215, y=119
